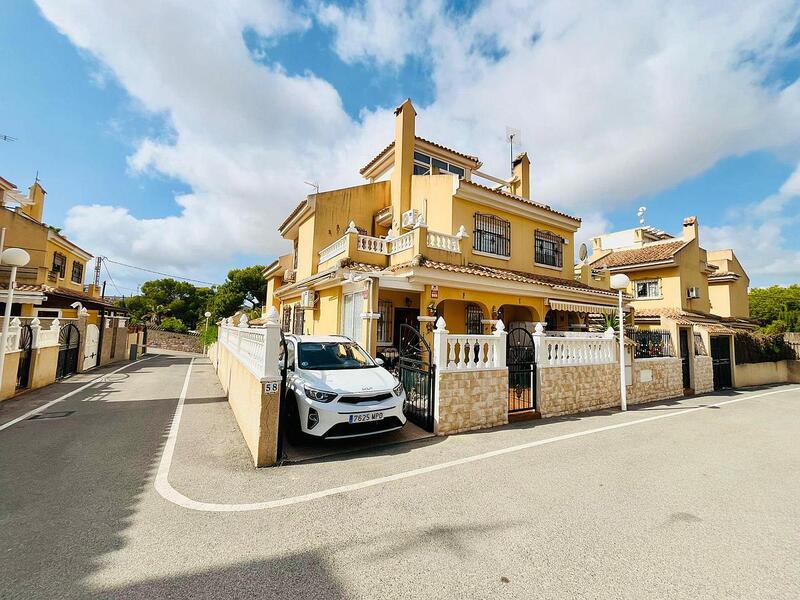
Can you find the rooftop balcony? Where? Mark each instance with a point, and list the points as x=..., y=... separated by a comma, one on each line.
x=392, y=250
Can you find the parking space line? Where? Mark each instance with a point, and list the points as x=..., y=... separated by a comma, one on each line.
x=169, y=493
x=97, y=379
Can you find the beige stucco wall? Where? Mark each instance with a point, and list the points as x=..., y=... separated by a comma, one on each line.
x=666, y=380
x=256, y=412
x=569, y=390
x=784, y=371
x=471, y=400
x=43, y=367
x=9, y=385
x=703, y=374
x=121, y=351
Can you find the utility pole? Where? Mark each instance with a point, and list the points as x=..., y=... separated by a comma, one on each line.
x=97, y=264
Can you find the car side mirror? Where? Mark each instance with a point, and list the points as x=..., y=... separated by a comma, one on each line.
x=379, y=362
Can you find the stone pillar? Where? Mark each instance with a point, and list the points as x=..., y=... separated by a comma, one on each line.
x=81, y=324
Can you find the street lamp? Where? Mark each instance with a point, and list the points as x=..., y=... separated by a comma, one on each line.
x=205, y=333
x=13, y=257
x=620, y=282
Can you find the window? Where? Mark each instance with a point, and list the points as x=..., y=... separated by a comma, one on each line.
x=352, y=308
x=59, y=264
x=473, y=319
x=548, y=249
x=423, y=162
x=492, y=235
x=299, y=320
x=47, y=313
x=77, y=272
x=286, y=319
x=385, y=322
x=650, y=288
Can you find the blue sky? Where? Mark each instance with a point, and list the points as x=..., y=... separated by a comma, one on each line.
x=188, y=144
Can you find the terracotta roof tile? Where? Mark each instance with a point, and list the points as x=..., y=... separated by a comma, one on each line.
x=520, y=198
x=505, y=274
x=378, y=156
x=636, y=256
x=23, y=287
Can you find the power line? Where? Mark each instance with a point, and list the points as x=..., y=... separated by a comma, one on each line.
x=106, y=259
x=112, y=279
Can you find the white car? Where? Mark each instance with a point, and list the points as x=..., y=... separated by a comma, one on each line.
x=339, y=390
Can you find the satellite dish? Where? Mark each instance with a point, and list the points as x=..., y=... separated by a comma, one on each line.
x=583, y=252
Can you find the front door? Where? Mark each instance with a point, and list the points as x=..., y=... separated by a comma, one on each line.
x=721, y=357
x=684, y=343
x=90, y=350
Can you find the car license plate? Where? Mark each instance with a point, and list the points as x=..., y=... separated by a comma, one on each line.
x=366, y=417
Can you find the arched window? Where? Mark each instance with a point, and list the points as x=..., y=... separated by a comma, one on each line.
x=473, y=318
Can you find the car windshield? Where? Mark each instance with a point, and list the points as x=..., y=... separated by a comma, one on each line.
x=325, y=356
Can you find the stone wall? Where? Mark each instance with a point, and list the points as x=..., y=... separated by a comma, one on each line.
x=469, y=400
x=575, y=389
x=168, y=340
x=655, y=379
x=703, y=369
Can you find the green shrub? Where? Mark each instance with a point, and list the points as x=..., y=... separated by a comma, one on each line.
x=173, y=324
x=761, y=347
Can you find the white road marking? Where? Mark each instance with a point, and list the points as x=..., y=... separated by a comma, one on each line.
x=70, y=394
x=169, y=493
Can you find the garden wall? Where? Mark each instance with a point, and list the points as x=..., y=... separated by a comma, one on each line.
x=169, y=340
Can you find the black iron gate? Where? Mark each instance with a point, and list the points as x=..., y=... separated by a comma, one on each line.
x=521, y=360
x=69, y=341
x=416, y=372
x=25, y=356
x=684, y=348
x=721, y=357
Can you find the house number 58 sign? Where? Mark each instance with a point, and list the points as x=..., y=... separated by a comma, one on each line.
x=272, y=387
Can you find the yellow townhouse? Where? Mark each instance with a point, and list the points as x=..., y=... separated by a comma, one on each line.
x=50, y=289
x=699, y=296
x=428, y=235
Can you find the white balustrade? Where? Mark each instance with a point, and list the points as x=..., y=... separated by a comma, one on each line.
x=574, y=350
x=403, y=242
x=376, y=245
x=467, y=352
x=46, y=338
x=335, y=249
x=12, y=341
x=255, y=347
x=443, y=241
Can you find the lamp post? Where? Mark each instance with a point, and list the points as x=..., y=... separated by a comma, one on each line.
x=621, y=282
x=13, y=257
x=205, y=333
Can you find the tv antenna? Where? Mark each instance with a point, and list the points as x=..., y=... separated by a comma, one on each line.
x=640, y=213
x=314, y=185
x=512, y=135
x=7, y=138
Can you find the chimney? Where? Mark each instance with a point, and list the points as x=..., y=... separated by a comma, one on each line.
x=521, y=183
x=690, y=230
x=36, y=193
x=404, y=135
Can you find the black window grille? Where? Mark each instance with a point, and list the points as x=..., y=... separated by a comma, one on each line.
x=651, y=343
x=77, y=272
x=492, y=235
x=59, y=264
x=473, y=318
x=299, y=320
x=286, y=319
x=385, y=322
x=548, y=249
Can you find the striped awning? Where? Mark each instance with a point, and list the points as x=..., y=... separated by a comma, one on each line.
x=583, y=307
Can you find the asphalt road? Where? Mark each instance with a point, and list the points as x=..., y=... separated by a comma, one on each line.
x=660, y=502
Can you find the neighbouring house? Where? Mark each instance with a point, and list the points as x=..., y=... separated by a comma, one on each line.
x=50, y=291
x=430, y=235
x=698, y=296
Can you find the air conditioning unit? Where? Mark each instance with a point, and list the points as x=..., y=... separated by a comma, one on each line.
x=693, y=292
x=410, y=218
x=308, y=299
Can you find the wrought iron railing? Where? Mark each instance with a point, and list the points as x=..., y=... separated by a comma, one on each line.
x=651, y=343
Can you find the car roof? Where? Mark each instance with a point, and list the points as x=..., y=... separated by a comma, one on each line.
x=319, y=338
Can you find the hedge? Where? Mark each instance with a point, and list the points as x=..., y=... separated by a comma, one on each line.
x=761, y=347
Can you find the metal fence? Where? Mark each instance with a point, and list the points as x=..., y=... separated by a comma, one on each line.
x=651, y=343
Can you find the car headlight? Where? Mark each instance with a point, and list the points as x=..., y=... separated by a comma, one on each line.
x=319, y=395
x=398, y=389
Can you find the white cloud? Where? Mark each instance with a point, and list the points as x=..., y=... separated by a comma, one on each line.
x=614, y=102
x=761, y=234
